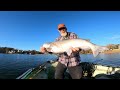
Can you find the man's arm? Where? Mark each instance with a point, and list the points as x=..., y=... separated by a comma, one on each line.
x=73, y=36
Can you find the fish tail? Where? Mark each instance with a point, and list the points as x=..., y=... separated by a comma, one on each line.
x=98, y=49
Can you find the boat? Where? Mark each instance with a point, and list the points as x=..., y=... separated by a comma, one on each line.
x=90, y=71
x=40, y=72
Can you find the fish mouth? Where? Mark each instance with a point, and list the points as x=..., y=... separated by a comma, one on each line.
x=48, y=49
x=50, y=52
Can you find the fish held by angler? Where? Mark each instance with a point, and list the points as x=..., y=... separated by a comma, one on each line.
x=65, y=45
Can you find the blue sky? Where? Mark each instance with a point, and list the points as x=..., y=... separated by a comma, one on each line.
x=28, y=30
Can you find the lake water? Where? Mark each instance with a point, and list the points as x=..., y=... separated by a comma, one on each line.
x=13, y=65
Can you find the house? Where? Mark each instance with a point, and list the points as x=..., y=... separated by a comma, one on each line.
x=119, y=46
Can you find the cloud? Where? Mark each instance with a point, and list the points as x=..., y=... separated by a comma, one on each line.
x=115, y=37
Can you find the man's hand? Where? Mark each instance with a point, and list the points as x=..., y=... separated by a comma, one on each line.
x=43, y=50
x=75, y=49
x=72, y=50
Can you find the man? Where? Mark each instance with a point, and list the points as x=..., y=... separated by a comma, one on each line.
x=72, y=62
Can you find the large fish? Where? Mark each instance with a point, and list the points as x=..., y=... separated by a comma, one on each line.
x=65, y=45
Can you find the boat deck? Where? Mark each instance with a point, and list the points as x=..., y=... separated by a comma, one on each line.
x=47, y=70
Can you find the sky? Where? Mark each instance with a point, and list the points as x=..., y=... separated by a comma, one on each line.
x=28, y=30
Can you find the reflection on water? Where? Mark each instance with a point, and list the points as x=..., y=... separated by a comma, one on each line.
x=103, y=59
x=13, y=65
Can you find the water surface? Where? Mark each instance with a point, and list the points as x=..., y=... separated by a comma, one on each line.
x=13, y=65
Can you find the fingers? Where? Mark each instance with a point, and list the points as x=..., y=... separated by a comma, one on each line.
x=77, y=49
x=74, y=49
x=42, y=49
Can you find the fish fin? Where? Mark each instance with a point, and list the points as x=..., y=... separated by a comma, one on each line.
x=69, y=51
x=96, y=53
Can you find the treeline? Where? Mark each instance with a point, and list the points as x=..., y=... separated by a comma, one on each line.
x=9, y=50
x=86, y=52
x=113, y=46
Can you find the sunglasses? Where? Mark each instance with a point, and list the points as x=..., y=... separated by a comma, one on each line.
x=62, y=28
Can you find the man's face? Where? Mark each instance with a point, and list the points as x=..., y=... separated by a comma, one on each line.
x=63, y=31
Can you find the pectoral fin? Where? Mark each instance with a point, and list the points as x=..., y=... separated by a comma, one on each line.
x=69, y=51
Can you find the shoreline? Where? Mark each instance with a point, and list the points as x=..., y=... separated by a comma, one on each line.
x=112, y=51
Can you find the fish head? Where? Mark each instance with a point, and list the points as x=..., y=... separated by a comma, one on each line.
x=47, y=45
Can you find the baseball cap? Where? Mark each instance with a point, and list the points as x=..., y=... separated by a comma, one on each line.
x=61, y=26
